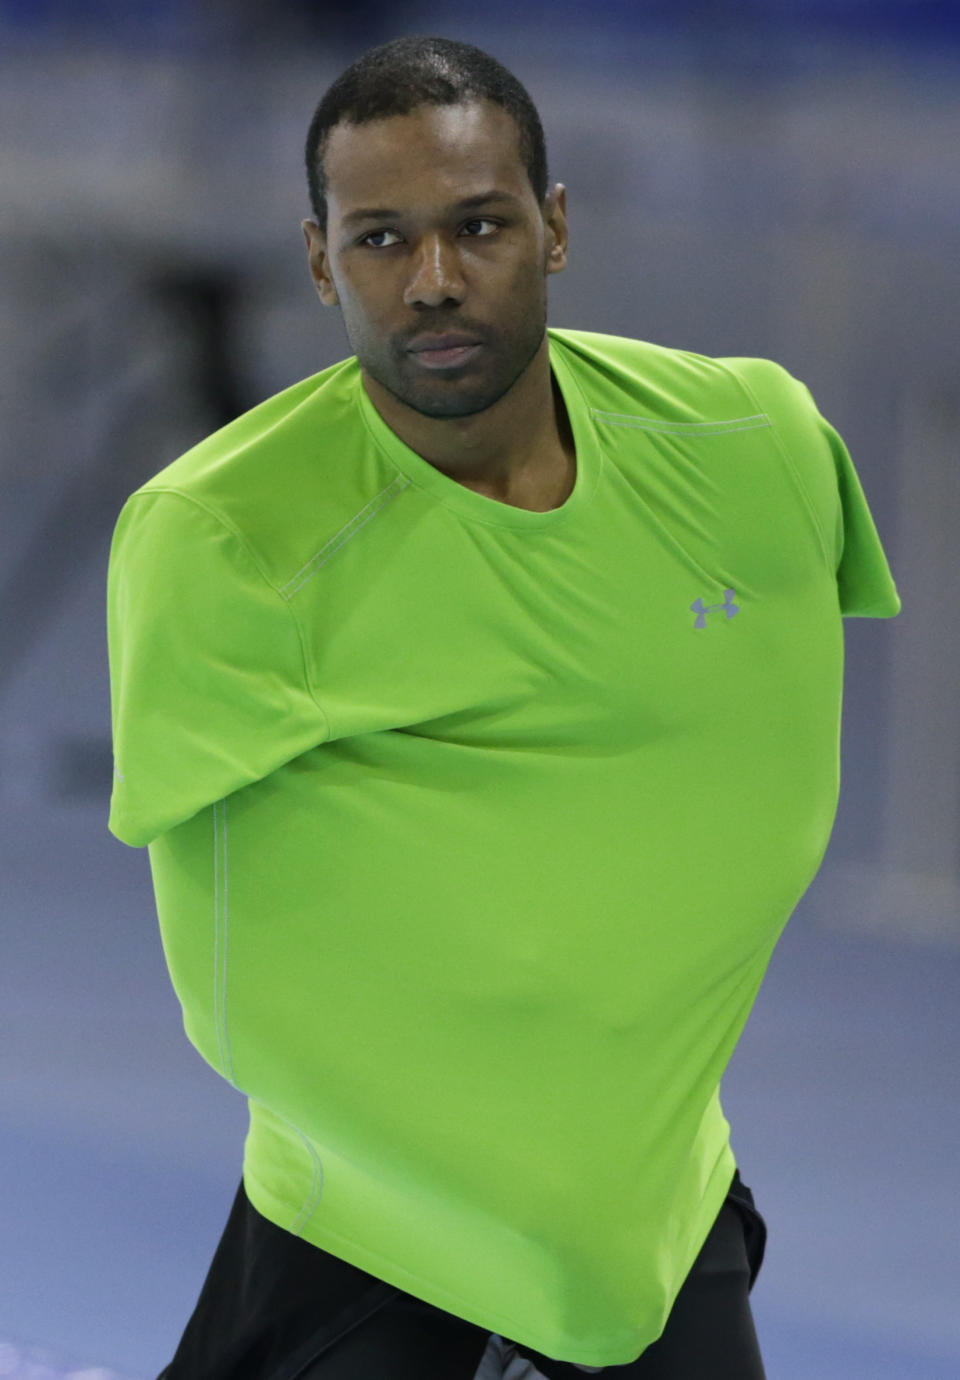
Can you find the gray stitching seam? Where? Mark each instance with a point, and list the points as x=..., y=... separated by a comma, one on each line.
x=221, y=909
x=216, y=933
x=316, y=1185
x=793, y=470
x=664, y=421
x=751, y=423
x=226, y=937
x=252, y=556
x=341, y=538
x=317, y=1182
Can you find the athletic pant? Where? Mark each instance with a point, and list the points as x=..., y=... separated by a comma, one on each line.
x=275, y=1307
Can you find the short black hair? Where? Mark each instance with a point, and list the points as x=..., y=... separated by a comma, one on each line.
x=399, y=76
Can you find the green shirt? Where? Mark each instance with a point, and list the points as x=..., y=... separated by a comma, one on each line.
x=473, y=829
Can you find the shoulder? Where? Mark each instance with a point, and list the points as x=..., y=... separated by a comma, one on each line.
x=224, y=457
x=267, y=489
x=619, y=372
x=780, y=393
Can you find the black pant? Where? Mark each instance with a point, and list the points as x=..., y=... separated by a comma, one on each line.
x=275, y=1307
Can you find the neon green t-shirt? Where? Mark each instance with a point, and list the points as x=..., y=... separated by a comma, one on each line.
x=472, y=829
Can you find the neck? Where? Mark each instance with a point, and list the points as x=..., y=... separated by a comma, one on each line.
x=523, y=433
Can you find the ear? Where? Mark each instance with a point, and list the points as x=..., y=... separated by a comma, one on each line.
x=319, y=263
x=555, y=218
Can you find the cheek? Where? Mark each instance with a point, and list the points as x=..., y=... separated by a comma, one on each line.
x=528, y=281
x=372, y=293
x=356, y=301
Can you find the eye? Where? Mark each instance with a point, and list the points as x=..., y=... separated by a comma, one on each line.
x=371, y=235
x=481, y=221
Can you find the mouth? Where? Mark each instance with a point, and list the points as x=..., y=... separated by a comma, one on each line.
x=448, y=357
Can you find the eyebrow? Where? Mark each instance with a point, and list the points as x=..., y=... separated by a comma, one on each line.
x=468, y=203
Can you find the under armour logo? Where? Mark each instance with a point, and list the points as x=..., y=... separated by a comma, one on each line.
x=701, y=610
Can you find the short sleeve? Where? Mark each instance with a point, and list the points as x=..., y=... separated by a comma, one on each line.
x=208, y=686
x=864, y=582
x=831, y=485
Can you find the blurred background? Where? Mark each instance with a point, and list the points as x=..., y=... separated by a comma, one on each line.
x=770, y=178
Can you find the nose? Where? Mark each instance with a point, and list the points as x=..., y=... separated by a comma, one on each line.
x=436, y=276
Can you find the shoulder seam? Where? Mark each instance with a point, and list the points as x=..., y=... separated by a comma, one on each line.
x=345, y=534
x=785, y=455
x=254, y=559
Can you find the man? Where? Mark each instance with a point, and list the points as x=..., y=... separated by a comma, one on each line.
x=478, y=699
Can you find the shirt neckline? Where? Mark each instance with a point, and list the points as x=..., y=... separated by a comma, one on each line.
x=478, y=507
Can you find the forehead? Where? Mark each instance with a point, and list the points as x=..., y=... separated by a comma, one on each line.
x=436, y=153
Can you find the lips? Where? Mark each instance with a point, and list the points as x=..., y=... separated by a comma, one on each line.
x=446, y=359
x=452, y=340
x=444, y=351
